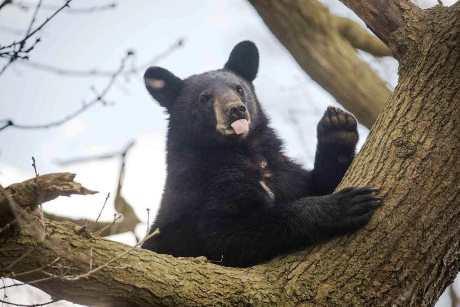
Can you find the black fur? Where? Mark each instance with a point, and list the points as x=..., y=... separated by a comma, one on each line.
x=214, y=203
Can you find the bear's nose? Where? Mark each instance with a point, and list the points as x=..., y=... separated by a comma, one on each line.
x=237, y=112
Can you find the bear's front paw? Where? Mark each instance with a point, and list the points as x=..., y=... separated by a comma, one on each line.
x=355, y=207
x=337, y=127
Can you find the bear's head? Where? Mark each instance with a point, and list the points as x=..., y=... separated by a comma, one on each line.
x=215, y=106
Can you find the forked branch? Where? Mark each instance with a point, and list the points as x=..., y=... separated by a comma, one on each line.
x=385, y=17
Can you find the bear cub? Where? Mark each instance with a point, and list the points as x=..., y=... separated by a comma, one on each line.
x=231, y=194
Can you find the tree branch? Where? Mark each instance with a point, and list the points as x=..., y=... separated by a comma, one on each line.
x=130, y=71
x=129, y=219
x=50, y=186
x=99, y=97
x=71, y=10
x=4, y=3
x=134, y=276
x=141, y=278
x=311, y=34
x=360, y=38
x=20, y=49
x=385, y=17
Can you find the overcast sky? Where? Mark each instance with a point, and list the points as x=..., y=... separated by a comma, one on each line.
x=99, y=40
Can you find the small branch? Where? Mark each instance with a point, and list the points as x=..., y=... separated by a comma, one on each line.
x=33, y=32
x=126, y=220
x=99, y=97
x=41, y=268
x=70, y=72
x=34, y=16
x=5, y=3
x=34, y=165
x=360, y=38
x=28, y=305
x=103, y=206
x=71, y=10
x=19, y=49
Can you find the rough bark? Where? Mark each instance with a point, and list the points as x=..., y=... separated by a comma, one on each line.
x=324, y=46
x=406, y=256
x=386, y=17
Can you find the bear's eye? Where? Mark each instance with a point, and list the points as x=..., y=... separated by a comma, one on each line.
x=205, y=98
x=240, y=90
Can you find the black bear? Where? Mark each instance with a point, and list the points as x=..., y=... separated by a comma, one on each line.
x=231, y=194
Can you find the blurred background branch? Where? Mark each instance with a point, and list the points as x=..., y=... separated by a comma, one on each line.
x=324, y=46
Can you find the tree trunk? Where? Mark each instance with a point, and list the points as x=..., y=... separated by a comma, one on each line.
x=406, y=256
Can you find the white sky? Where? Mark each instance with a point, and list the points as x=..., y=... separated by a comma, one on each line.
x=99, y=40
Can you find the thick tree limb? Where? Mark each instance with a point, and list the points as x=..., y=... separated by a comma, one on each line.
x=104, y=229
x=65, y=257
x=324, y=46
x=141, y=278
x=385, y=17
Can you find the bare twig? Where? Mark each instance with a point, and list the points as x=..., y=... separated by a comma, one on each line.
x=69, y=72
x=33, y=32
x=71, y=10
x=99, y=99
x=34, y=17
x=13, y=274
x=36, y=281
x=34, y=165
x=116, y=218
x=28, y=305
x=125, y=211
x=148, y=221
x=5, y=3
x=19, y=49
x=103, y=206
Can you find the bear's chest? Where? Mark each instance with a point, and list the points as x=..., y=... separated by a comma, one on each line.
x=265, y=178
x=259, y=167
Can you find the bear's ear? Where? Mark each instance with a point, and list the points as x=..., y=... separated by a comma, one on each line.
x=244, y=60
x=163, y=85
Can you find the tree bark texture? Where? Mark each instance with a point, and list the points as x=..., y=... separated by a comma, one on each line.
x=324, y=46
x=406, y=256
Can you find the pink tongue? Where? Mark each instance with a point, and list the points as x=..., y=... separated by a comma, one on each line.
x=240, y=126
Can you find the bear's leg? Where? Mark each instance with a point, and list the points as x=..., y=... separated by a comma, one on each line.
x=259, y=235
x=337, y=137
